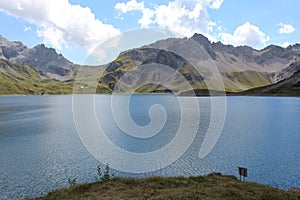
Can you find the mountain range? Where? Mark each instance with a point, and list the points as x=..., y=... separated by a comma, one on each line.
x=244, y=70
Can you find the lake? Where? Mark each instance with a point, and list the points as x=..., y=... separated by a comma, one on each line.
x=40, y=147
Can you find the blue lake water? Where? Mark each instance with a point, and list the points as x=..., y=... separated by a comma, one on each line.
x=40, y=147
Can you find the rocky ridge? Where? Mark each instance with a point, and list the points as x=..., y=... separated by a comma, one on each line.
x=40, y=57
x=241, y=67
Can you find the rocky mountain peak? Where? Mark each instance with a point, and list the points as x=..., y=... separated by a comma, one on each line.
x=47, y=60
x=201, y=39
x=3, y=40
x=11, y=49
x=241, y=58
x=40, y=57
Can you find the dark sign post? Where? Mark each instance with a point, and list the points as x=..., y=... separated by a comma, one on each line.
x=243, y=172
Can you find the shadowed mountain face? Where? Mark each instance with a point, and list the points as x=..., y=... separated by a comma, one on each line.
x=40, y=57
x=286, y=87
x=132, y=61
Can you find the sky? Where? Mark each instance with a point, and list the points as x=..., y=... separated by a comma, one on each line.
x=76, y=27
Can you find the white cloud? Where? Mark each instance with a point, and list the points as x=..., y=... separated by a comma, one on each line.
x=27, y=28
x=286, y=28
x=146, y=19
x=246, y=34
x=52, y=36
x=133, y=5
x=129, y=6
x=19, y=6
x=184, y=17
x=215, y=4
x=286, y=44
x=60, y=23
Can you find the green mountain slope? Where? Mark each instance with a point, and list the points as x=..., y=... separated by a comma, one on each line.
x=287, y=87
x=23, y=79
x=133, y=59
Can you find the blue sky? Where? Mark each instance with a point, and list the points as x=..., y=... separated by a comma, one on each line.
x=76, y=27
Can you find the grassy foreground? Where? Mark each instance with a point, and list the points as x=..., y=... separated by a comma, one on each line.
x=213, y=186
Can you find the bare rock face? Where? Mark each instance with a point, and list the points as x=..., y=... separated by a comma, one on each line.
x=206, y=44
x=241, y=58
x=287, y=72
x=46, y=59
x=132, y=61
x=159, y=56
x=1, y=55
x=11, y=49
x=40, y=57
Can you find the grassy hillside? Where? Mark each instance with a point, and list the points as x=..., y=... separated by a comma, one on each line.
x=23, y=79
x=288, y=87
x=239, y=81
x=233, y=81
x=210, y=187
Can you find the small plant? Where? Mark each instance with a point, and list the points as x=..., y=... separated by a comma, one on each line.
x=72, y=181
x=106, y=176
x=99, y=172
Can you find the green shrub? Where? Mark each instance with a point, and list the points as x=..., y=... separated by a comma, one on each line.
x=72, y=181
x=105, y=176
